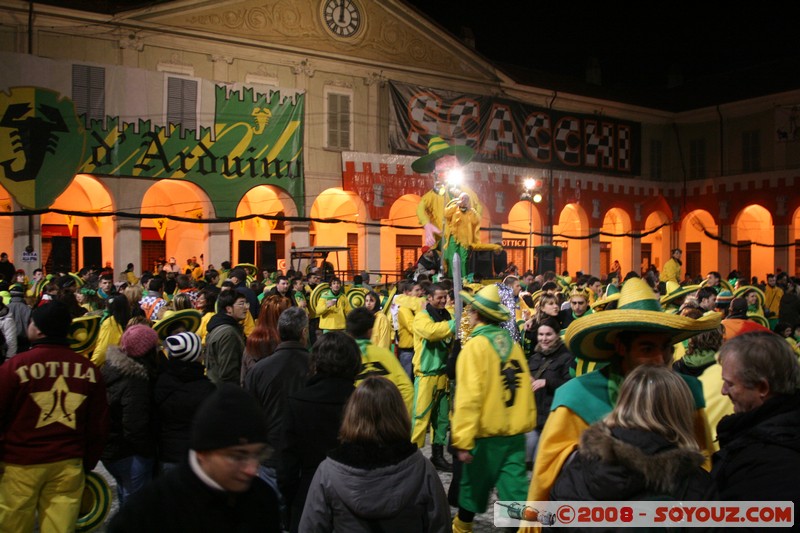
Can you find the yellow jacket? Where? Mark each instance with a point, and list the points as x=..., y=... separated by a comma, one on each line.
x=671, y=271
x=493, y=397
x=382, y=331
x=430, y=358
x=202, y=330
x=408, y=306
x=381, y=362
x=332, y=317
x=464, y=226
x=431, y=206
x=110, y=333
x=772, y=299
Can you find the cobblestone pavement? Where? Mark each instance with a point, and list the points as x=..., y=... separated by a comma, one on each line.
x=483, y=523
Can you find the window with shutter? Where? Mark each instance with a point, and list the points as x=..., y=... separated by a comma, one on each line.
x=89, y=92
x=338, y=121
x=182, y=103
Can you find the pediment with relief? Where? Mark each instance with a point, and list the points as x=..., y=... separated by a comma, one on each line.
x=391, y=33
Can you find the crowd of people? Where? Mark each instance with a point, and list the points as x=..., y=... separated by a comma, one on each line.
x=231, y=399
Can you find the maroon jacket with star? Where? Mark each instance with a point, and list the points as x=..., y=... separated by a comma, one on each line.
x=53, y=407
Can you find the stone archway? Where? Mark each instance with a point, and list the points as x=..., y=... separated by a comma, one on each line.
x=701, y=252
x=258, y=241
x=753, y=224
x=78, y=241
x=615, y=248
x=346, y=210
x=570, y=233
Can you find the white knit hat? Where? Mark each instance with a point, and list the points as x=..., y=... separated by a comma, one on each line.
x=184, y=346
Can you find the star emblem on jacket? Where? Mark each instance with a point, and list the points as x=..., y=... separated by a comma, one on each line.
x=58, y=404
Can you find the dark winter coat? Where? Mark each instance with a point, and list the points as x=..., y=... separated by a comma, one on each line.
x=180, y=501
x=759, y=456
x=370, y=488
x=129, y=386
x=630, y=464
x=179, y=391
x=555, y=374
x=271, y=381
x=311, y=426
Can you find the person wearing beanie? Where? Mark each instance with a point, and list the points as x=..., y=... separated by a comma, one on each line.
x=48, y=444
x=217, y=488
x=179, y=391
x=21, y=312
x=130, y=372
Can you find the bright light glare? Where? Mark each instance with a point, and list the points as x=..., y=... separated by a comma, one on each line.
x=529, y=184
x=537, y=198
x=455, y=177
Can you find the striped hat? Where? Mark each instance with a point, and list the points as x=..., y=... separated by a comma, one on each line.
x=184, y=346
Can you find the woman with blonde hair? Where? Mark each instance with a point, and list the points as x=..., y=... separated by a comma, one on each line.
x=376, y=480
x=644, y=449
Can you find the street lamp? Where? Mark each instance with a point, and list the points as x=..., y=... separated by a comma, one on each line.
x=532, y=193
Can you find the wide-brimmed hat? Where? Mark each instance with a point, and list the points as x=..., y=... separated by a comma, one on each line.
x=386, y=301
x=95, y=503
x=487, y=303
x=189, y=318
x=316, y=294
x=723, y=284
x=592, y=337
x=356, y=297
x=744, y=289
x=600, y=305
x=759, y=319
x=437, y=149
x=675, y=291
x=83, y=332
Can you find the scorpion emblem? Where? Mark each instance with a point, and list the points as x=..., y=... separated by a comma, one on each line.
x=35, y=136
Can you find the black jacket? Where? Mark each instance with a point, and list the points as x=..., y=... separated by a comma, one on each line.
x=130, y=396
x=311, y=425
x=555, y=374
x=630, y=464
x=271, y=381
x=180, y=501
x=178, y=393
x=759, y=456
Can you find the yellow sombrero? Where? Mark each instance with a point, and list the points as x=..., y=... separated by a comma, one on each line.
x=744, y=289
x=675, y=291
x=95, y=503
x=758, y=319
x=189, y=318
x=723, y=284
x=438, y=148
x=316, y=294
x=600, y=305
x=592, y=337
x=487, y=302
x=356, y=296
x=83, y=332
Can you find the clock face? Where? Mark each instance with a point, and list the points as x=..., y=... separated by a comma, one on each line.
x=342, y=17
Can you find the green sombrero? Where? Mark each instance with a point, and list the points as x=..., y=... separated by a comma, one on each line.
x=95, y=503
x=487, y=303
x=758, y=319
x=386, y=303
x=83, y=332
x=744, y=289
x=356, y=297
x=437, y=149
x=592, y=337
x=189, y=318
x=675, y=291
x=723, y=284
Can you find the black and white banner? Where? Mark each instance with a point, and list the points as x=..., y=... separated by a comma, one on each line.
x=512, y=133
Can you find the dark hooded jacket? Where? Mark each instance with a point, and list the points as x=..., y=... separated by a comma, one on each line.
x=129, y=385
x=759, y=456
x=631, y=464
x=369, y=488
x=552, y=365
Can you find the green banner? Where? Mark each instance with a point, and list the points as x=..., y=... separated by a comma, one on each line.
x=256, y=139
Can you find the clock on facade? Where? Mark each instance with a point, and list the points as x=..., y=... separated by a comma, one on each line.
x=341, y=17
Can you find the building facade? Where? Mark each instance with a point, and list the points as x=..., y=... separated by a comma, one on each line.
x=241, y=129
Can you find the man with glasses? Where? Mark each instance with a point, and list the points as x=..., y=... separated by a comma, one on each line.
x=218, y=487
x=225, y=341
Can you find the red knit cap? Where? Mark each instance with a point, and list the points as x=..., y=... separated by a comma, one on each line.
x=138, y=340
